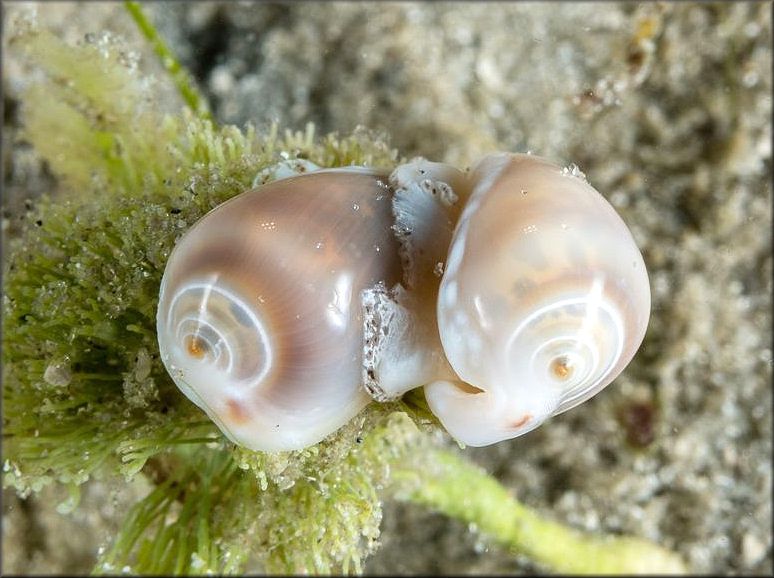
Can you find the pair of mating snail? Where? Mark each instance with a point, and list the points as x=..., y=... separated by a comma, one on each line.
x=512, y=293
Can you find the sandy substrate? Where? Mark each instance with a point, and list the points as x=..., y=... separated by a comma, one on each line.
x=667, y=110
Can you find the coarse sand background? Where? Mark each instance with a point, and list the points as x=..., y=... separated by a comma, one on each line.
x=666, y=107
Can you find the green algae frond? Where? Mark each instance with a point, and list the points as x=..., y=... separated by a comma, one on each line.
x=84, y=391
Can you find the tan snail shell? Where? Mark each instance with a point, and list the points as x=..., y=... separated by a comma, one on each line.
x=544, y=300
x=259, y=319
x=513, y=293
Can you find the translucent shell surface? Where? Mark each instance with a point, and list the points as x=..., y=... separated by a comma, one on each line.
x=259, y=317
x=543, y=302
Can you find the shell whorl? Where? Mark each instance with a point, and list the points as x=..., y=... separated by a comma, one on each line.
x=545, y=299
x=259, y=317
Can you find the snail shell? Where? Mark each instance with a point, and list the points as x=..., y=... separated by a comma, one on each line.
x=543, y=302
x=513, y=293
x=259, y=318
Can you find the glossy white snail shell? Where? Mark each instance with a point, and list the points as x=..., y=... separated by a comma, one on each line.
x=544, y=300
x=259, y=318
